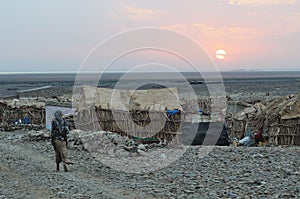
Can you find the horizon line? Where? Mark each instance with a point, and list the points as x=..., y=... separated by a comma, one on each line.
x=92, y=72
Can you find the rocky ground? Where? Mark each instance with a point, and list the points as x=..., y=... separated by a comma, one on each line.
x=28, y=171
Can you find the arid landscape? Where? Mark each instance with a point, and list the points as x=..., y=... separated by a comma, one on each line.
x=28, y=167
x=28, y=171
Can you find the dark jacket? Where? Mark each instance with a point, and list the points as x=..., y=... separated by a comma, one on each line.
x=59, y=130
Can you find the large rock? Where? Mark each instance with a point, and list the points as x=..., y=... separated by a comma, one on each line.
x=101, y=142
x=43, y=134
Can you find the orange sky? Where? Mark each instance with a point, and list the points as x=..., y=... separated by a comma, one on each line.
x=55, y=35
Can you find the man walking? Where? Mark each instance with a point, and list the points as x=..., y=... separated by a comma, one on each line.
x=59, y=140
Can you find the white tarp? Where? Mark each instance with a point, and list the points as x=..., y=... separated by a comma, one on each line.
x=115, y=99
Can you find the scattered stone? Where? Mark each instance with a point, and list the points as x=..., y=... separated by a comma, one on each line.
x=258, y=155
x=141, y=147
x=188, y=191
x=141, y=152
x=163, y=155
x=232, y=195
x=188, y=176
x=38, y=135
x=61, y=195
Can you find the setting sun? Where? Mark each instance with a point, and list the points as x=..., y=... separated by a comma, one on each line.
x=220, y=54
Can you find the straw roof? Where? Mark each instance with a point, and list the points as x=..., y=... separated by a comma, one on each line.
x=290, y=108
x=280, y=120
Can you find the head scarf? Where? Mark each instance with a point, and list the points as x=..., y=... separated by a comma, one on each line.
x=58, y=115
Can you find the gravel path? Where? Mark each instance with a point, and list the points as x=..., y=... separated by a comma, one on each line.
x=27, y=170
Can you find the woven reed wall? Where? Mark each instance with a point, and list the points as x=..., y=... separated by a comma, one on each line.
x=9, y=114
x=285, y=132
x=134, y=123
x=278, y=132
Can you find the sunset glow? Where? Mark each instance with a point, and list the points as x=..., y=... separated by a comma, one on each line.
x=220, y=54
x=255, y=33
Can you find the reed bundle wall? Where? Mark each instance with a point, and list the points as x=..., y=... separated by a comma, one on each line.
x=9, y=115
x=285, y=132
x=281, y=132
x=279, y=121
x=143, y=124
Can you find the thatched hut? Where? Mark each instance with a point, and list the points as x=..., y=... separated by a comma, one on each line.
x=36, y=113
x=279, y=120
x=247, y=117
x=138, y=113
x=22, y=112
x=282, y=118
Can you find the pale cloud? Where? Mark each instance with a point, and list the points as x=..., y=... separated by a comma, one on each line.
x=214, y=37
x=137, y=14
x=284, y=25
x=262, y=2
x=134, y=13
x=213, y=32
x=230, y=32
